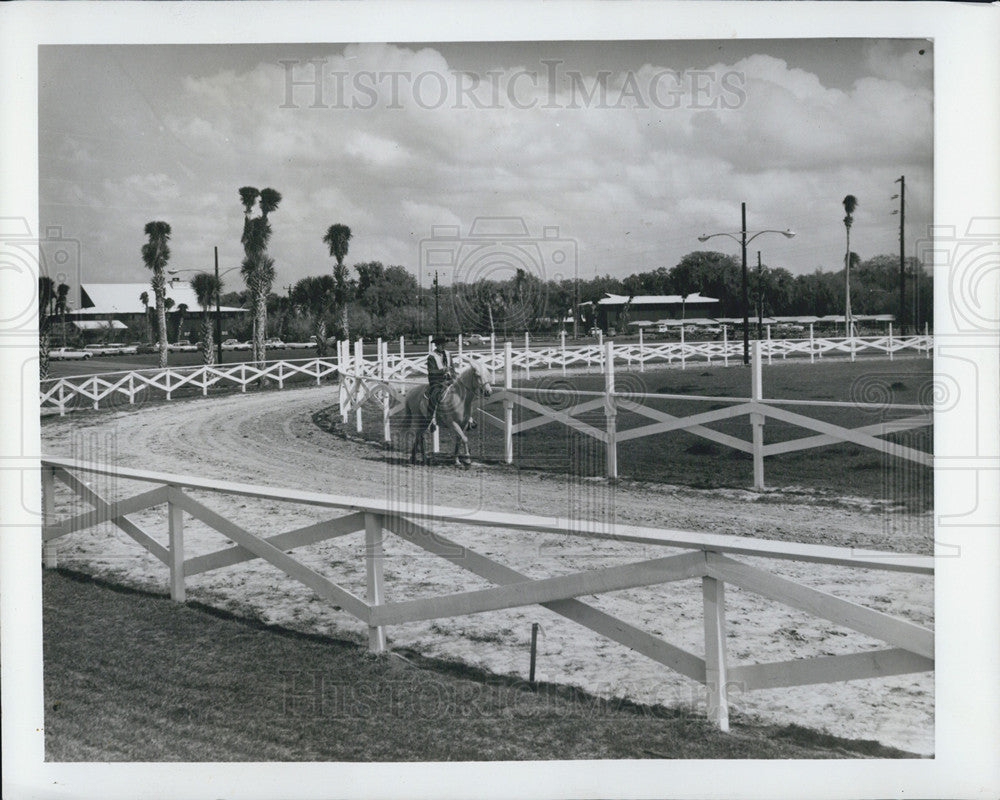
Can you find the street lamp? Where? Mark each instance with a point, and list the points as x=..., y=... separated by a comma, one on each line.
x=744, y=240
x=437, y=305
x=218, y=308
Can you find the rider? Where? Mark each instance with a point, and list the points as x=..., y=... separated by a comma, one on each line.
x=440, y=373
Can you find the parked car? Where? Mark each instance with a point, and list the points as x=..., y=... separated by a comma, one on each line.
x=146, y=347
x=273, y=343
x=63, y=353
x=231, y=344
x=476, y=339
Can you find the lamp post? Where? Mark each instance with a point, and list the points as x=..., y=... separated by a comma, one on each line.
x=744, y=240
x=218, y=289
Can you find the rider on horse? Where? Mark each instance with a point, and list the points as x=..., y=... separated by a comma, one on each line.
x=440, y=373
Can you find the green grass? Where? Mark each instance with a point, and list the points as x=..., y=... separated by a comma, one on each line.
x=686, y=459
x=132, y=676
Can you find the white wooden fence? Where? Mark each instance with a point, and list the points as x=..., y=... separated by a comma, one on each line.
x=118, y=388
x=383, y=382
x=707, y=556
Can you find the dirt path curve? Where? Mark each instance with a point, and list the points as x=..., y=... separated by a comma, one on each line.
x=272, y=439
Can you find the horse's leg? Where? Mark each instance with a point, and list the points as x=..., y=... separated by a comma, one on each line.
x=460, y=440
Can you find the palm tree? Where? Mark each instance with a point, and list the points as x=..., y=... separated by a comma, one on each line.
x=46, y=292
x=258, y=268
x=156, y=254
x=850, y=203
x=144, y=298
x=62, y=306
x=181, y=311
x=206, y=286
x=338, y=239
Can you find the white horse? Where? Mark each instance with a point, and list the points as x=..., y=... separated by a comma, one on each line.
x=454, y=412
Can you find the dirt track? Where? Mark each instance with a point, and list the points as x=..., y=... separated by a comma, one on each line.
x=272, y=439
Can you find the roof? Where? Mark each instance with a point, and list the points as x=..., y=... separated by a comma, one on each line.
x=123, y=298
x=652, y=299
x=99, y=324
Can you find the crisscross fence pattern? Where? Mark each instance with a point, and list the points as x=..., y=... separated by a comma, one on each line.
x=116, y=389
x=382, y=383
x=711, y=559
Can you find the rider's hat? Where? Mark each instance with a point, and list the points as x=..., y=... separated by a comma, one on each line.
x=440, y=339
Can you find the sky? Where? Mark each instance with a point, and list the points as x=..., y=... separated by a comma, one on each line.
x=615, y=154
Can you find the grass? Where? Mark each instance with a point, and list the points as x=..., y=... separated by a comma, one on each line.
x=686, y=459
x=132, y=676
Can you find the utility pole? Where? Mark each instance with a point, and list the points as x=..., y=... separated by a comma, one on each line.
x=218, y=310
x=576, y=303
x=746, y=297
x=760, y=299
x=902, y=255
x=437, y=306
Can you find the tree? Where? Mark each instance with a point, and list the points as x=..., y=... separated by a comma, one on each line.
x=206, y=286
x=182, y=309
x=144, y=298
x=850, y=203
x=155, y=255
x=46, y=292
x=257, y=268
x=62, y=306
x=338, y=238
x=313, y=295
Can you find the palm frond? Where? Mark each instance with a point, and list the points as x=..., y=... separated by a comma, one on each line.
x=338, y=239
x=269, y=200
x=850, y=203
x=248, y=196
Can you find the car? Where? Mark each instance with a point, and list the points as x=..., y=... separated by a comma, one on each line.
x=273, y=343
x=147, y=348
x=63, y=353
x=231, y=344
x=475, y=338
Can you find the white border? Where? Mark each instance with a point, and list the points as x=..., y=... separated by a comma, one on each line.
x=967, y=131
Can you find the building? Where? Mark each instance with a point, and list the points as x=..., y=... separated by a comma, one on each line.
x=616, y=311
x=116, y=310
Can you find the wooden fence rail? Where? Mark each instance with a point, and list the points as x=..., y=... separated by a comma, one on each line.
x=363, y=382
x=709, y=557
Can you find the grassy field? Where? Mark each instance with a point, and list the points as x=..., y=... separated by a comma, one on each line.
x=132, y=676
x=686, y=459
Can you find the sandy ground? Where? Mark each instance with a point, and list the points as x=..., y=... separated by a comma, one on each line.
x=272, y=439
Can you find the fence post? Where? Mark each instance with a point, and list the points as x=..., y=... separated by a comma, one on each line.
x=610, y=409
x=493, y=357
x=342, y=365
x=757, y=419
x=430, y=343
x=770, y=348
x=927, y=340
x=374, y=558
x=527, y=356
x=562, y=349
x=49, y=551
x=386, y=428
x=683, y=348
x=890, y=341
x=175, y=516
x=642, y=358
x=725, y=344
x=508, y=404
x=131, y=389
x=359, y=357
x=459, y=348
x=62, y=400
x=402, y=348
x=713, y=594
x=852, y=341
x=812, y=345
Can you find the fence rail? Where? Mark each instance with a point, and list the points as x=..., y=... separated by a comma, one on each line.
x=124, y=387
x=709, y=557
x=382, y=382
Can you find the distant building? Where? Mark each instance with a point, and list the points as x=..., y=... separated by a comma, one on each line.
x=617, y=310
x=119, y=306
